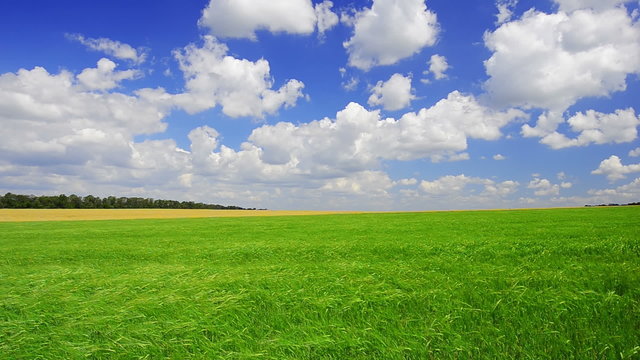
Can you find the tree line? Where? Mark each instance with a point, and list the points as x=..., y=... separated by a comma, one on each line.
x=16, y=201
x=629, y=204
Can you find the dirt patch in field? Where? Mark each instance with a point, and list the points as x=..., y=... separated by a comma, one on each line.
x=121, y=214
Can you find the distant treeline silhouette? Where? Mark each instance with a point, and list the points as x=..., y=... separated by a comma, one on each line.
x=629, y=204
x=15, y=201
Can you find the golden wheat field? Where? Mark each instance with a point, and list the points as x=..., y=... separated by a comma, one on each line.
x=120, y=214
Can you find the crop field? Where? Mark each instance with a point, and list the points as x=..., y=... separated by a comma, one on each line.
x=526, y=284
x=127, y=214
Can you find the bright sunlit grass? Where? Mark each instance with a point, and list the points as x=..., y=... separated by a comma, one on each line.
x=531, y=284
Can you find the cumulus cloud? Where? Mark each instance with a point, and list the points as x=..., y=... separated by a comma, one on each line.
x=438, y=66
x=623, y=193
x=635, y=152
x=112, y=48
x=59, y=131
x=614, y=170
x=374, y=183
x=242, y=18
x=597, y=128
x=357, y=139
x=393, y=94
x=544, y=187
x=326, y=19
x=451, y=185
x=104, y=76
x=505, y=10
x=406, y=182
x=390, y=31
x=550, y=61
x=241, y=87
x=475, y=192
x=499, y=157
x=501, y=189
x=571, y=5
x=52, y=121
x=346, y=151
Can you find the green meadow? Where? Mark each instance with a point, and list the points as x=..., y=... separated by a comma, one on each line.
x=527, y=284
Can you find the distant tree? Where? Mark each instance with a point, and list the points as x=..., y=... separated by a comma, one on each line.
x=75, y=202
x=14, y=201
x=109, y=202
x=61, y=201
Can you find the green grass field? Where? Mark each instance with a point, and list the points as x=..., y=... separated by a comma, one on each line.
x=531, y=284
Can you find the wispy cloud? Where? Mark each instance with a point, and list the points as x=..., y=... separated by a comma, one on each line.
x=112, y=48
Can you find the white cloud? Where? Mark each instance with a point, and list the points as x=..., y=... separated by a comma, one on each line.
x=499, y=157
x=550, y=61
x=390, y=31
x=597, y=128
x=54, y=125
x=58, y=135
x=623, y=193
x=342, y=155
x=438, y=66
x=292, y=165
x=240, y=86
x=104, y=76
x=52, y=122
x=571, y=5
x=393, y=94
x=357, y=139
x=230, y=166
x=451, y=157
x=112, y=48
x=351, y=84
x=158, y=163
x=505, y=10
x=451, y=185
x=501, y=189
x=546, y=125
x=635, y=152
x=372, y=183
x=544, y=187
x=348, y=17
x=242, y=18
x=326, y=19
x=407, y=182
x=614, y=170
x=445, y=192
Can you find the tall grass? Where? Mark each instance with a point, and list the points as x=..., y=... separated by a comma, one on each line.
x=534, y=284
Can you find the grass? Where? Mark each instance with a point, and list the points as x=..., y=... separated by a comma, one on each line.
x=531, y=284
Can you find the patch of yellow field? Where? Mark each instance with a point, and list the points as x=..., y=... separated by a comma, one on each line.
x=122, y=214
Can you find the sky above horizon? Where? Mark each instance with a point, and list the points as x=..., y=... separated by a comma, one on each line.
x=321, y=105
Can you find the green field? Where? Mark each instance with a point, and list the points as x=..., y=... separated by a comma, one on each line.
x=530, y=284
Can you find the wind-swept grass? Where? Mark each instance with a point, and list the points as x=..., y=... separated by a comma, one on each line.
x=531, y=284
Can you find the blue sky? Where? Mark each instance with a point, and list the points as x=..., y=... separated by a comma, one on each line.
x=298, y=104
